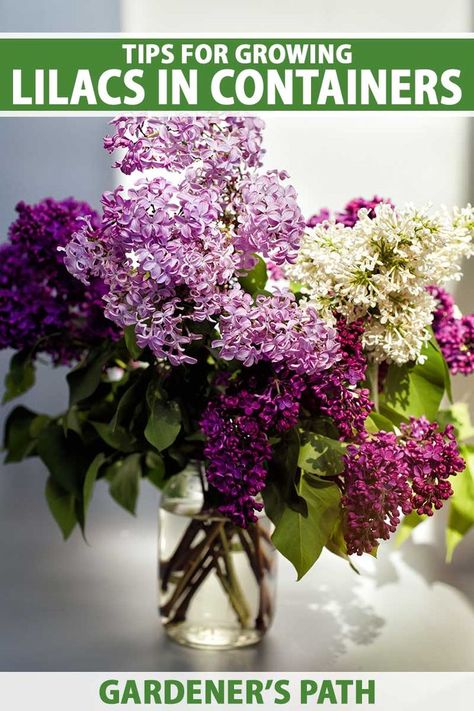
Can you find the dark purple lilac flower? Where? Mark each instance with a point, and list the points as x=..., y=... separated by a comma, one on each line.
x=337, y=392
x=42, y=307
x=252, y=408
x=238, y=426
x=376, y=491
x=319, y=217
x=386, y=476
x=454, y=333
x=350, y=214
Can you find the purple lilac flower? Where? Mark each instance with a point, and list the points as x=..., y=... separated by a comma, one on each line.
x=350, y=214
x=171, y=254
x=432, y=457
x=238, y=426
x=319, y=217
x=455, y=334
x=274, y=328
x=337, y=392
x=164, y=260
x=217, y=145
x=386, y=476
x=376, y=491
x=270, y=220
x=42, y=307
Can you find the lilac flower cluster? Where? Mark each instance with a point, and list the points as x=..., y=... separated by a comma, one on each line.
x=350, y=214
x=239, y=423
x=337, y=392
x=432, y=457
x=276, y=329
x=42, y=307
x=238, y=426
x=455, y=334
x=171, y=253
x=269, y=218
x=213, y=149
x=386, y=476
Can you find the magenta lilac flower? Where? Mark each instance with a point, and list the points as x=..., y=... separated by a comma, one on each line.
x=376, y=491
x=432, y=457
x=42, y=307
x=386, y=476
x=454, y=333
x=350, y=214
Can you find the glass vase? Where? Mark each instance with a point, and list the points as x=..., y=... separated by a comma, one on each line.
x=216, y=580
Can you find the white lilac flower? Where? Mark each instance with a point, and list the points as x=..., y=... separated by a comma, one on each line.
x=379, y=270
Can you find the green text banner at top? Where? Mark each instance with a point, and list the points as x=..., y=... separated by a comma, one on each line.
x=122, y=74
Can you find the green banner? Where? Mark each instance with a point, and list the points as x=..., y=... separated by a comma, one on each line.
x=124, y=74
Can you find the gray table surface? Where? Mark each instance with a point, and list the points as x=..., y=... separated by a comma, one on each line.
x=76, y=607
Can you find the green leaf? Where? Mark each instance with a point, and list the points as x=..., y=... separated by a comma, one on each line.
x=376, y=422
x=255, y=280
x=19, y=441
x=458, y=526
x=459, y=416
x=337, y=545
x=321, y=455
x=301, y=538
x=164, y=423
x=62, y=506
x=131, y=342
x=447, y=382
x=118, y=438
x=280, y=489
x=128, y=402
x=21, y=376
x=155, y=469
x=90, y=479
x=65, y=458
x=410, y=522
x=461, y=514
x=416, y=390
x=125, y=482
x=85, y=378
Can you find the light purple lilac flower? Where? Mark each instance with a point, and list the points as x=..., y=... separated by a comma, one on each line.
x=212, y=148
x=171, y=253
x=269, y=218
x=275, y=328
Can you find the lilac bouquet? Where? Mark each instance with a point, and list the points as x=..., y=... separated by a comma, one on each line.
x=302, y=365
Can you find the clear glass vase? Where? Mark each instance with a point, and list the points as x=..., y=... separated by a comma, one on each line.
x=216, y=580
